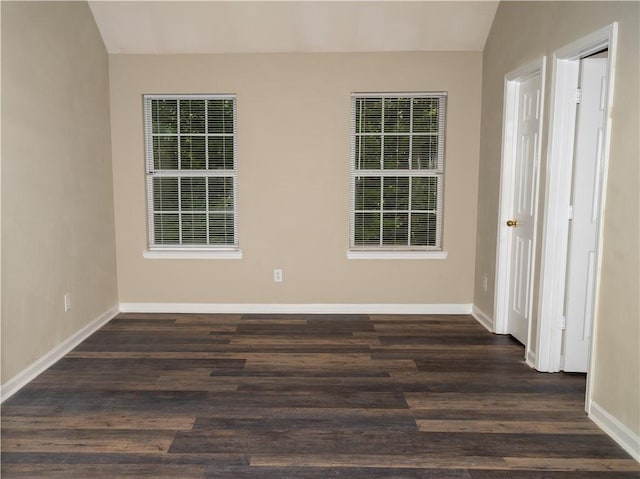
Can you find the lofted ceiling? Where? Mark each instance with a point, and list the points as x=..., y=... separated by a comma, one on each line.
x=172, y=27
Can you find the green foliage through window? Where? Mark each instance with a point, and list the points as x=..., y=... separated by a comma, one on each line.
x=397, y=170
x=191, y=170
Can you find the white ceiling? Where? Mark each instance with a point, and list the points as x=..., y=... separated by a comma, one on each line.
x=170, y=27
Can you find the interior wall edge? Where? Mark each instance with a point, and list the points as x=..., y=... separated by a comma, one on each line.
x=483, y=318
x=620, y=433
x=36, y=368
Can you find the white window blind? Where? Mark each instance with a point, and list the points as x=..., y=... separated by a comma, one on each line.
x=191, y=166
x=397, y=168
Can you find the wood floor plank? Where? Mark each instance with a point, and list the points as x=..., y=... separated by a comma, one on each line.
x=446, y=462
x=219, y=459
x=352, y=423
x=129, y=471
x=506, y=427
x=333, y=472
x=310, y=472
x=139, y=421
x=292, y=442
x=279, y=340
x=573, y=464
x=438, y=379
x=380, y=461
x=538, y=474
x=302, y=396
x=486, y=401
x=87, y=440
x=327, y=362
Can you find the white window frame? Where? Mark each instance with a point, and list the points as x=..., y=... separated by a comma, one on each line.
x=398, y=252
x=188, y=251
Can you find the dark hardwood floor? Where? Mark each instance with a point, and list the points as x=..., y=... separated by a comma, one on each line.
x=302, y=396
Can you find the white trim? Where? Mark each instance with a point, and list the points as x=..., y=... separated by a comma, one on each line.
x=625, y=437
x=417, y=94
x=589, y=44
x=512, y=82
x=558, y=190
x=358, y=172
x=612, y=45
x=28, y=374
x=191, y=96
x=152, y=173
x=530, y=358
x=352, y=254
x=241, y=308
x=178, y=254
x=503, y=251
x=483, y=318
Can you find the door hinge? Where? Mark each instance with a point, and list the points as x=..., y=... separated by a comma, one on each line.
x=570, y=212
x=578, y=95
x=563, y=323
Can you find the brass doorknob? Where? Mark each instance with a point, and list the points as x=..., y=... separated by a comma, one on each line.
x=512, y=223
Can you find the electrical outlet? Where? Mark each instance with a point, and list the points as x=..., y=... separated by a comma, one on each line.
x=67, y=301
x=277, y=275
x=485, y=282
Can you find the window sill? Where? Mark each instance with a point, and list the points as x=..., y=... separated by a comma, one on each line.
x=192, y=254
x=354, y=254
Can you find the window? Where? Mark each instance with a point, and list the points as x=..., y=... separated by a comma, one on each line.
x=191, y=173
x=397, y=166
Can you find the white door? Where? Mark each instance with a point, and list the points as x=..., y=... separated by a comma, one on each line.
x=585, y=214
x=522, y=219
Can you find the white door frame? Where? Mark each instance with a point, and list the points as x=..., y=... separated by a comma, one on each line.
x=558, y=194
x=507, y=178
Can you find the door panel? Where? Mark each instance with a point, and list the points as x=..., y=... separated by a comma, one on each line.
x=524, y=207
x=583, y=227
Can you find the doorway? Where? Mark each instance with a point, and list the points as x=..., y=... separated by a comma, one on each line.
x=557, y=274
x=584, y=213
x=517, y=225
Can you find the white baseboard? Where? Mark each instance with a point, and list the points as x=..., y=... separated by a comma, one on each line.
x=625, y=437
x=531, y=359
x=482, y=317
x=296, y=308
x=28, y=374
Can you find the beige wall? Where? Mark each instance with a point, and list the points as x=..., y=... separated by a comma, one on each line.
x=57, y=201
x=523, y=32
x=293, y=147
